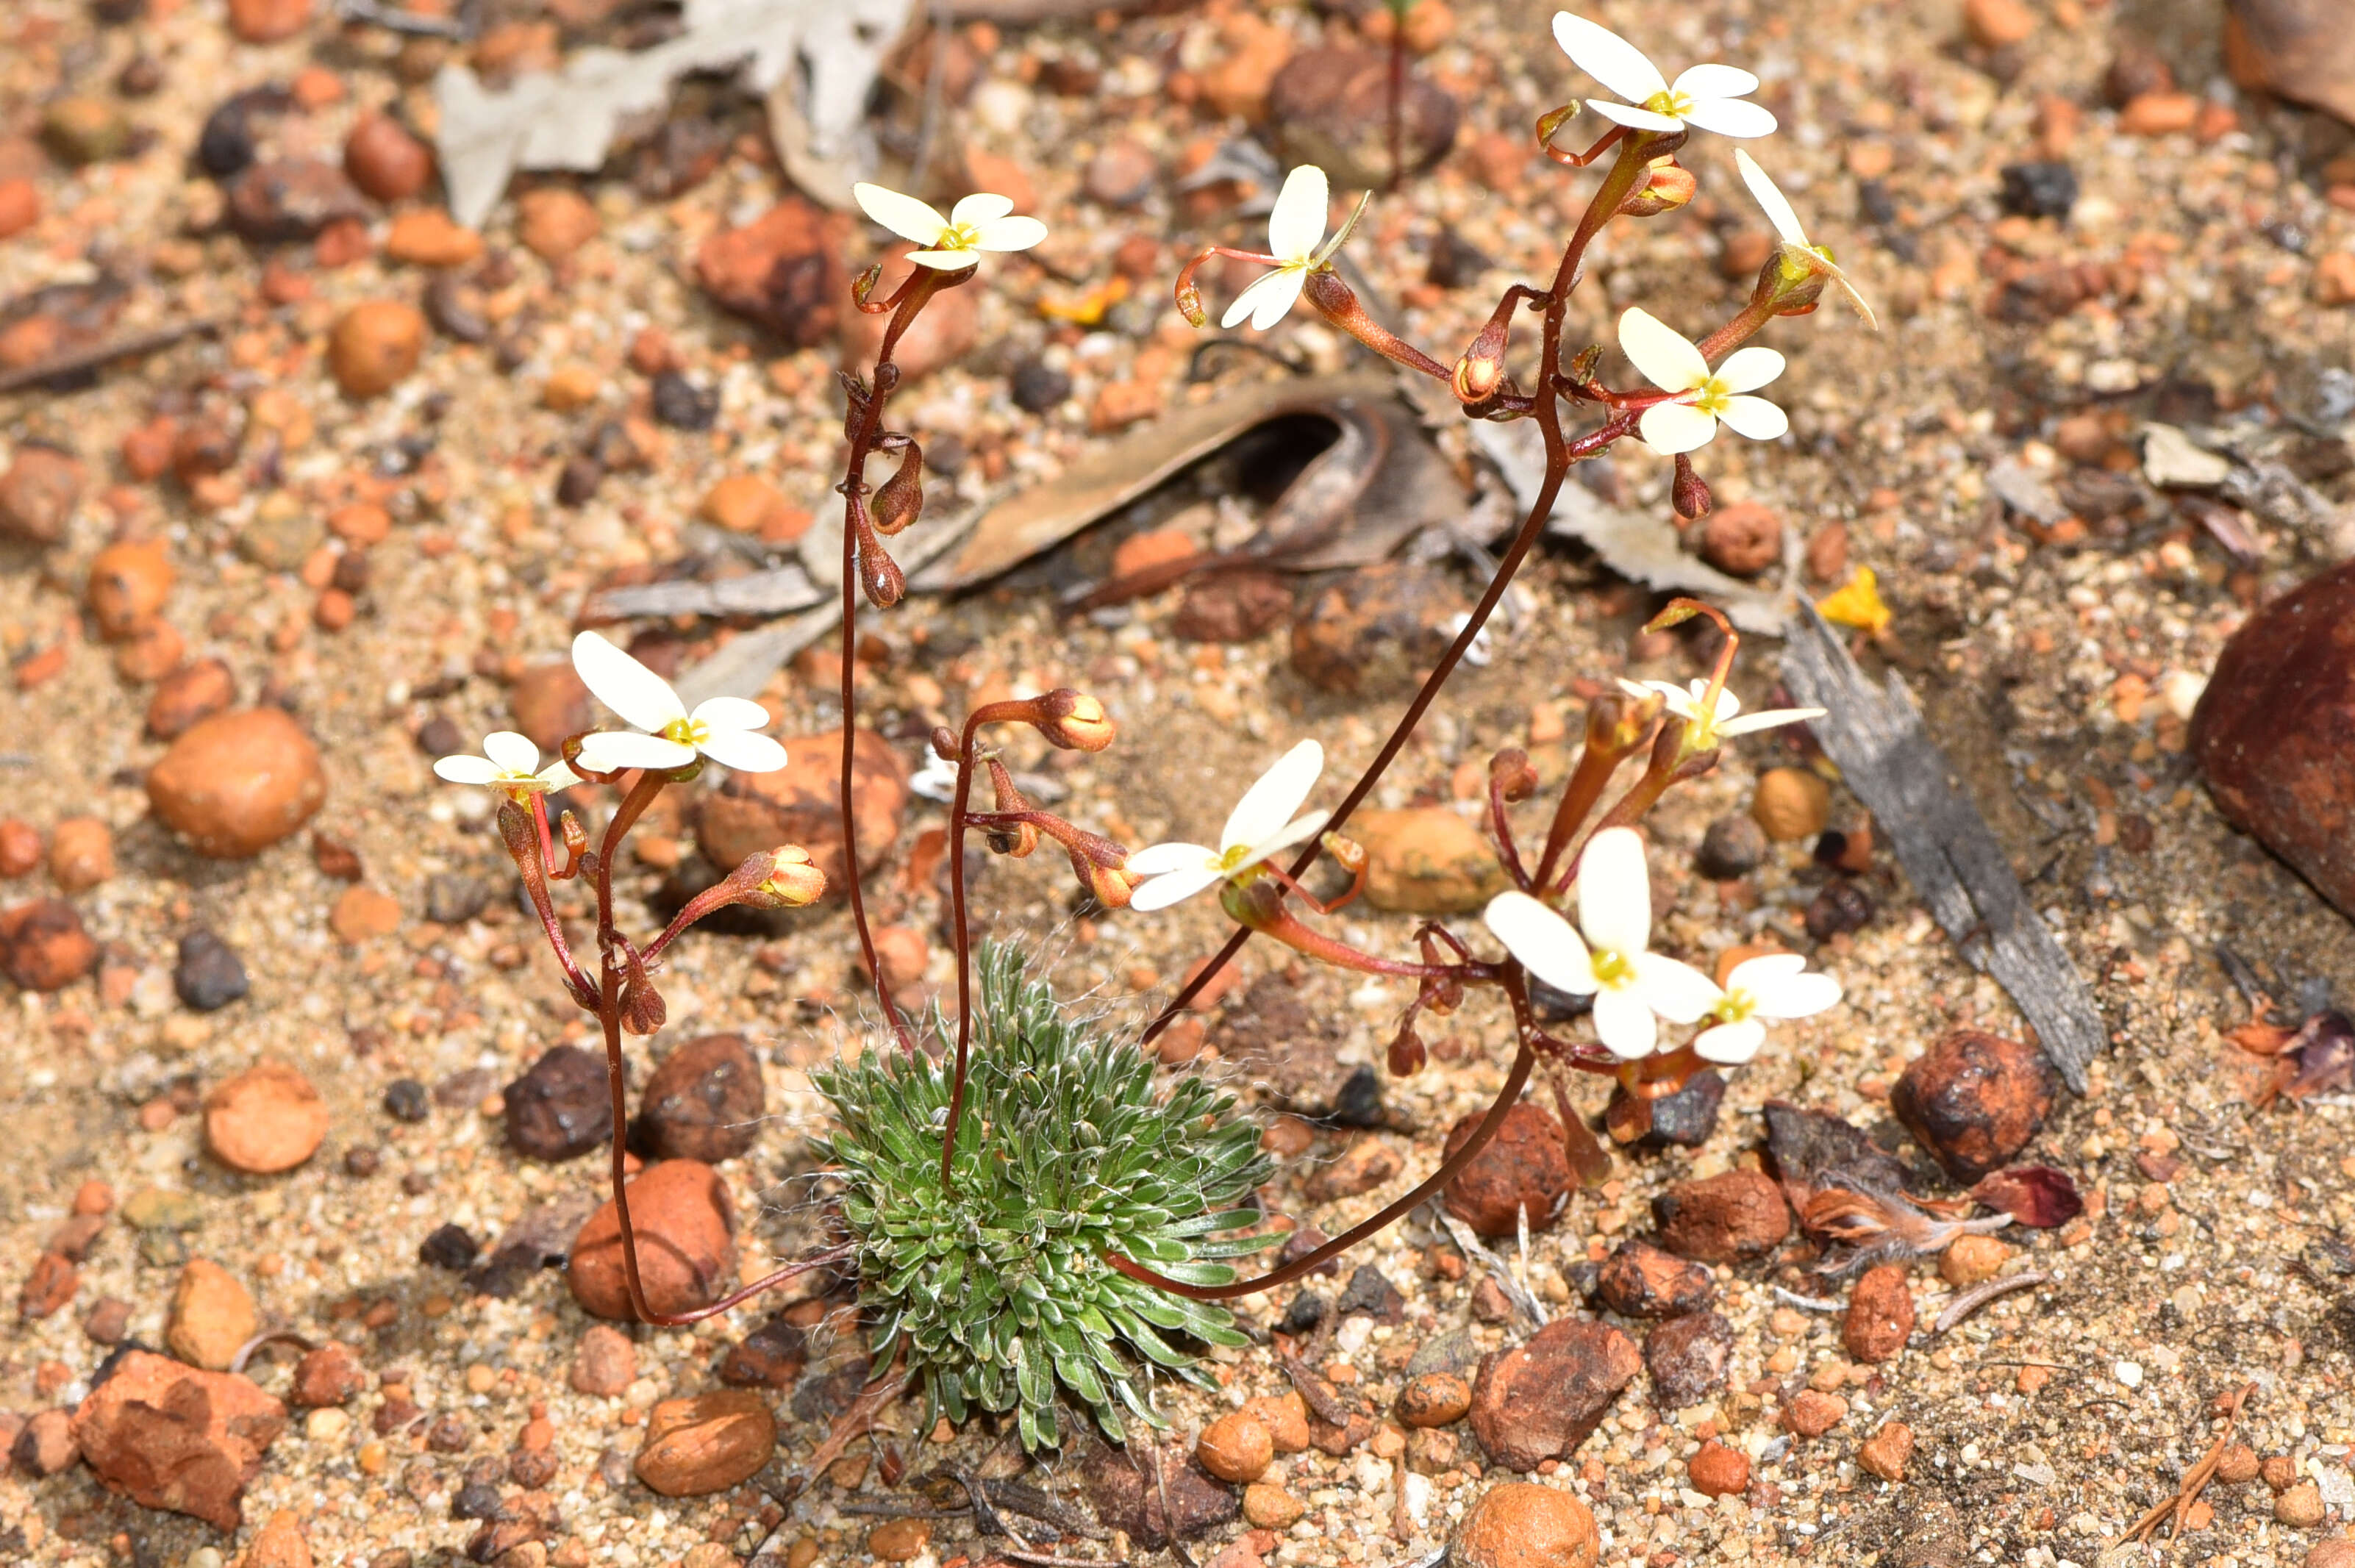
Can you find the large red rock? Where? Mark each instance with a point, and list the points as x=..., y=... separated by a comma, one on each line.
x=797, y=805
x=1974, y=1100
x=1522, y=1169
x=783, y=270
x=2275, y=732
x=169, y=1437
x=238, y=782
x=685, y=1224
x=1541, y=1400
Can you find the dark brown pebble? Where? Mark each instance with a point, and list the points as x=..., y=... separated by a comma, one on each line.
x=1540, y=1401
x=560, y=1108
x=1523, y=1168
x=1639, y=1280
x=705, y=1101
x=1974, y=1100
x=1724, y=1218
x=1686, y=1357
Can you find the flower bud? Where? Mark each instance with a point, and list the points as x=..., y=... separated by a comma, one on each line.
x=1407, y=1054
x=944, y=744
x=1689, y=491
x=643, y=1011
x=1009, y=798
x=878, y=574
x=1665, y=187
x=1511, y=771
x=1481, y=371
x=1110, y=885
x=900, y=500
x=1347, y=852
x=1016, y=843
x=1074, y=720
x=793, y=879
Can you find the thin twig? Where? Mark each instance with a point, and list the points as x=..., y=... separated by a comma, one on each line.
x=1971, y=1301
x=2196, y=1479
x=128, y=347
x=275, y=1337
x=403, y=21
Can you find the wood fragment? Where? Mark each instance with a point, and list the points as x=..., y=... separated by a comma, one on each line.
x=103, y=354
x=1971, y=1301
x=1948, y=852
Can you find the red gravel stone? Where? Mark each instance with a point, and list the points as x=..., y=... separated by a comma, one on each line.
x=606, y=1360
x=1523, y=1167
x=1718, y=1470
x=43, y=945
x=2276, y=726
x=1523, y=1525
x=707, y=1444
x=186, y=695
x=236, y=783
x=266, y=1119
x=1686, y=1357
x=329, y=1375
x=685, y=1228
x=1880, y=1315
x=1722, y=1218
x=1974, y=1100
x=705, y=1101
x=1541, y=1400
x=384, y=160
x=1639, y=1280
x=784, y=269
x=37, y=494
x=169, y=1437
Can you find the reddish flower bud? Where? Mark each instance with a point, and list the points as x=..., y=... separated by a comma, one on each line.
x=1689, y=491
x=900, y=500
x=793, y=879
x=1511, y=771
x=1665, y=187
x=1074, y=720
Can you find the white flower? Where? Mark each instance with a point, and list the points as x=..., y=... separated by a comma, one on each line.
x=1294, y=230
x=1770, y=987
x=1628, y=984
x=1712, y=97
x=725, y=728
x=1797, y=254
x=1704, y=730
x=1673, y=363
x=1261, y=824
x=509, y=761
x=978, y=223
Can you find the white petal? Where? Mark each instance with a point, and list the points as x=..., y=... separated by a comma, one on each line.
x=903, y=214
x=1728, y=705
x=1607, y=57
x=731, y=713
x=1546, y=944
x=556, y=775
x=1730, y=1045
x=511, y=750
x=1675, y=990
x=1639, y=689
x=1169, y=888
x=1158, y=859
x=1008, y=234
x=1752, y=974
x=1798, y=996
x=1770, y=197
x=1771, y=719
x=1297, y=222
x=625, y=685
x=1671, y=428
x=611, y=749
x=1730, y=117
x=983, y=206
x=1276, y=798
x=466, y=769
x=944, y=260
x=1299, y=832
x=1264, y=303
x=1715, y=81
x=1615, y=893
x=746, y=751
x=1624, y=1024
x=1756, y=418
x=1634, y=118
x=1666, y=357
x=1747, y=369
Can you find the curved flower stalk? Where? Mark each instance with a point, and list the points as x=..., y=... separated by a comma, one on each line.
x=981, y=223
x=724, y=729
x=1261, y=824
x=1713, y=96
x=1698, y=397
x=1607, y=956
x=1798, y=263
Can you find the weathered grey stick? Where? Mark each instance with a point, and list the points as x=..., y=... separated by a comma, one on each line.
x=1945, y=845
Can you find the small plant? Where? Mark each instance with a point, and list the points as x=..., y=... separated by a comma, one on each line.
x=995, y=1287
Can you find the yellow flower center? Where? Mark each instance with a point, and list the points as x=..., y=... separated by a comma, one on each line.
x=1710, y=397
x=1735, y=1005
x=1235, y=855
x=957, y=237
x=687, y=731
x=1614, y=969
x=1668, y=102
